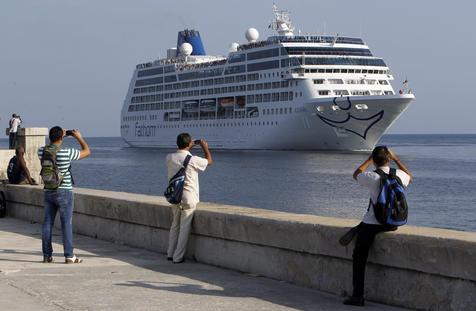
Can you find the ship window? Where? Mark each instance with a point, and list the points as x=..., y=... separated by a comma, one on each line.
x=320, y=70
x=336, y=81
x=263, y=65
x=149, y=81
x=342, y=61
x=263, y=54
x=235, y=69
x=235, y=58
x=318, y=81
x=327, y=51
x=323, y=92
x=169, y=69
x=341, y=92
x=150, y=72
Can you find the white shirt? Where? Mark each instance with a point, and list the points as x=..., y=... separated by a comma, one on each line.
x=191, y=188
x=14, y=123
x=371, y=181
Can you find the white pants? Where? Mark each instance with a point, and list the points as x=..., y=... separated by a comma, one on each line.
x=180, y=230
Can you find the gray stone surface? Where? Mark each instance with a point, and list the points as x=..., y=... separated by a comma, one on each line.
x=115, y=277
x=415, y=267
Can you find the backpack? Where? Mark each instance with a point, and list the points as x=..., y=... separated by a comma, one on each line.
x=391, y=207
x=173, y=193
x=50, y=172
x=14, y=171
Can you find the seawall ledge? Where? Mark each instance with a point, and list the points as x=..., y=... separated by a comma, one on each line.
x=433, y=267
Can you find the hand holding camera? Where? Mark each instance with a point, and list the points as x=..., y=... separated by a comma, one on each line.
x=74, y=133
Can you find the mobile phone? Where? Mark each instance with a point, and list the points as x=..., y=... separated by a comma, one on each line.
x=197, y=142
x=69, y=133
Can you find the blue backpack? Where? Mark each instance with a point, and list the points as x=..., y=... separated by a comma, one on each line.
x=174, y=191
x=391, y=207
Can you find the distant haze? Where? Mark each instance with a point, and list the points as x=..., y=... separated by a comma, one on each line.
x=69, y=62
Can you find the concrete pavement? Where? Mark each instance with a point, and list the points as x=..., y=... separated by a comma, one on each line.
x=115, y=277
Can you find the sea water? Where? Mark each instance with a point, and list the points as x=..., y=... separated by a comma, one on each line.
x=443, y=193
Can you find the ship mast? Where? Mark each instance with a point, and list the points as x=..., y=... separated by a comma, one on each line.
x=282, y=23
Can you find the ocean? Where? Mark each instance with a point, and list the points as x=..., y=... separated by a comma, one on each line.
x=305, y=182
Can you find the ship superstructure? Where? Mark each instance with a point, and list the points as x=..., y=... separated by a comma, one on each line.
x=286, y=92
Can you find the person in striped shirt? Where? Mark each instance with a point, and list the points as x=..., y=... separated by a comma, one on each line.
x=61, y=199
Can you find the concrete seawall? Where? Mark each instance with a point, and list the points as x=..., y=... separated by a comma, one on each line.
x=415, y=267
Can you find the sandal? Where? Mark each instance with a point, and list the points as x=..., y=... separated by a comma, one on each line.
x=73, y=259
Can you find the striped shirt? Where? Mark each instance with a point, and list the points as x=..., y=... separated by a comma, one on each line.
x=64, y=156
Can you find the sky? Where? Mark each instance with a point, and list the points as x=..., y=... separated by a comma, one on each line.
x=69, y=62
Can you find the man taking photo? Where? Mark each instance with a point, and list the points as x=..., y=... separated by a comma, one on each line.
x=183, y=212
x=58, y=195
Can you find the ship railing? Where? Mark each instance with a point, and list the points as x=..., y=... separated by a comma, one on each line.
x=316, y=39
x=182, y=67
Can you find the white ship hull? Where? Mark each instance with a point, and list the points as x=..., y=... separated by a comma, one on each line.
x=343, y=128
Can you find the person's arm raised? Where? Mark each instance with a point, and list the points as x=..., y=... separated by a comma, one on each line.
x=206, y=151
x=85, y=151
x=362, y=167
x=400, y=165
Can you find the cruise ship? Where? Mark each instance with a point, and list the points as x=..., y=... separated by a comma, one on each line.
x=288, y=92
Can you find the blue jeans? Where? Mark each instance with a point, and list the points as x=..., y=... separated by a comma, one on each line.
x=62, y=200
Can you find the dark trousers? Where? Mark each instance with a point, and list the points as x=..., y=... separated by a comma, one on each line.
x=365, y=237
x=12, y=140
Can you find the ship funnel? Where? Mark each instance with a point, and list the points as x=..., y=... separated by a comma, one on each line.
x=193, y=37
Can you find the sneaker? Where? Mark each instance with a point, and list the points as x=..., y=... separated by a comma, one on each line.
x=47, y=259
x=355, y=301
x=73, y=259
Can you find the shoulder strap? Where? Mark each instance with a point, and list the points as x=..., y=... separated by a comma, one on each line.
x=393, y=172
x=51, y=148
x=381, y=173
x=186, y=161
x=393, y=175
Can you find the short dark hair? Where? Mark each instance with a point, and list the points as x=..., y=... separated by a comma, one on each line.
x=183, y=140
x=19, y=150
x=380, y=155
x=56, y=133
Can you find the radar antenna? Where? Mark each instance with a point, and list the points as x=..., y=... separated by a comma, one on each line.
x=282, y=23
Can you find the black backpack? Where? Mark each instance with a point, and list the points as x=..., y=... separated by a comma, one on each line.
x=14, y=171
x=391, y=207
x=174, y=190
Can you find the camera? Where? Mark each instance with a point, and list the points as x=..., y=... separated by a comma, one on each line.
x=69, y=133
x=197, y=141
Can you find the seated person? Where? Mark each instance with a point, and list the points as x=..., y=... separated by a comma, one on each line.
x=17, y=170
